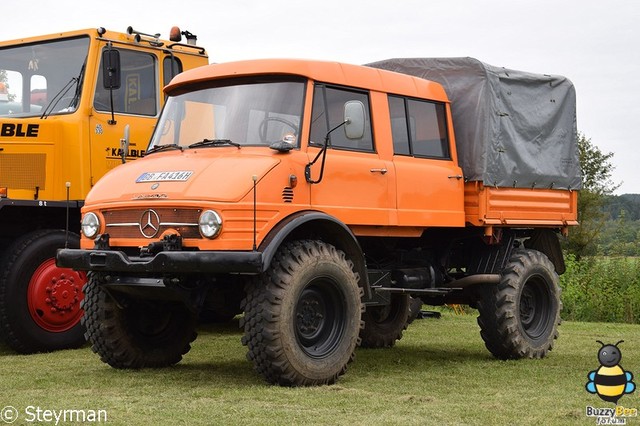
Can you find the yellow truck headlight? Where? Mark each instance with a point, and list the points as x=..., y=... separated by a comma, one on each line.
x=210, y=224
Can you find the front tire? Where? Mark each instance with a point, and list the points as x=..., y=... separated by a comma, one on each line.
x=39, y=302
x=302, y=320
x=134, y=333
x=519, y=317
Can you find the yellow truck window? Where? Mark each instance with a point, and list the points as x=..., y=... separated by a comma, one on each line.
x=42, y=77
x=137, y=93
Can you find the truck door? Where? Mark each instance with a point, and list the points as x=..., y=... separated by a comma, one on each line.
x=354, y=186
x=135, y=102
x=430, y=188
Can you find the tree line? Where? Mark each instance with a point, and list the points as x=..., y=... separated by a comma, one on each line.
x=609, y=224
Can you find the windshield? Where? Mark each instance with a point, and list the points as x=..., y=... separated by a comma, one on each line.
x=43, y=77
x=238, y=114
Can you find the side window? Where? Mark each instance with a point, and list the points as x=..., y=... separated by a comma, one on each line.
x=399, y=130
x=428, y=134
x=138, y=93
x=419, y=128
x=328, y=112
x=171, y=66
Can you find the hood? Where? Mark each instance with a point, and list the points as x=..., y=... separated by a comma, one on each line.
x=211, y=174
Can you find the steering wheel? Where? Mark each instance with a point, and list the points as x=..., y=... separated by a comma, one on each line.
x=262, y=129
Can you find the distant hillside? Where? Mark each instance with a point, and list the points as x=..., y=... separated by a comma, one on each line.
x=630, y=203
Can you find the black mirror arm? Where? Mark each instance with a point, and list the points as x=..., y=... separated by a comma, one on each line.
x=323, y=152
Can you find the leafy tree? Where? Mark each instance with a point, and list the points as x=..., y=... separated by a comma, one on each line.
x=596, y=186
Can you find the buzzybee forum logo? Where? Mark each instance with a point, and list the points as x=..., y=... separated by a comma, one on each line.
x=610, y=382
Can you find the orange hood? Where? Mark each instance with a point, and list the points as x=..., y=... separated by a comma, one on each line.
x=212, y=174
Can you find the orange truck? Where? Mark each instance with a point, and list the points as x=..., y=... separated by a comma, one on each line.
x=321, y=200
x=66, y=100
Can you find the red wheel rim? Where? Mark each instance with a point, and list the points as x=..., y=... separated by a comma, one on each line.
x=54, y=296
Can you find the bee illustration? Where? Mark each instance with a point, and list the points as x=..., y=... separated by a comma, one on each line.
x=610, y=381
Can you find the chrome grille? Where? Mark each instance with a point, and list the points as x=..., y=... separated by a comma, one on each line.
x=151, y=223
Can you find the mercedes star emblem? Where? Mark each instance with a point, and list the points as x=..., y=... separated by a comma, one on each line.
x=149, y=223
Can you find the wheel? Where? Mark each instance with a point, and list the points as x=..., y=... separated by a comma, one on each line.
x=383, y=325
x=134, y=333
x=519, y=317
x=302, y=319
x=39, y=302
x=415, y=307
x=222, y=302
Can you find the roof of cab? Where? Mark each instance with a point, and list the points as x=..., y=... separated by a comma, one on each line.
x=327, y=72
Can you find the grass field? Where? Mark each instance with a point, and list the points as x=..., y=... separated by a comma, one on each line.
x=439, y=373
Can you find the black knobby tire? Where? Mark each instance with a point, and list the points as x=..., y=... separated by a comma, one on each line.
x=222, y=302
x=134, y=333
x=519, y=317
x=302, y=318
x=383, y=325
x=39, y=302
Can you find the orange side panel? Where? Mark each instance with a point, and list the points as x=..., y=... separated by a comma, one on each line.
x=519, y=206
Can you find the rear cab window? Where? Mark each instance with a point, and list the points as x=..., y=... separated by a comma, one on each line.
x=419, y=128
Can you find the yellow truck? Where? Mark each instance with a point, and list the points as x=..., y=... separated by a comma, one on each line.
x=67, y=101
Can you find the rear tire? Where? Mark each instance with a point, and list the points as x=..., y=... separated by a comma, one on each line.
x=302, y=320
x=383, y=325
x=134, y=333
x=519, y=317
x=39, y=302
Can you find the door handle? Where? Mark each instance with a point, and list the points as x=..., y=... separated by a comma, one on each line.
x=382, y=171
x=455, y=177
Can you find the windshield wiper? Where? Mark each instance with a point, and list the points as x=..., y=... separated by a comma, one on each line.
x=58, y=97
x=214, y=142
x=164, y=147
x=61, y=94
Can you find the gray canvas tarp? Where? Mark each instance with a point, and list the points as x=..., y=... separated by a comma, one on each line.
x=512, y=128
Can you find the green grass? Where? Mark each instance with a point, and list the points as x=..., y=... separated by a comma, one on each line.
x=439, y=373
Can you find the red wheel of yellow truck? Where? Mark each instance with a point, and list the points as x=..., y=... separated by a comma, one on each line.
x=39, y=302
x=54, y=295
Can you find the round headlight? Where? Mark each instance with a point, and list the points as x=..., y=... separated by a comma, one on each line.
x=210, y=224
x=90, y=225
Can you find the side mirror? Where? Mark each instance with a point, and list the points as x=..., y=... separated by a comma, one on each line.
x=124, y=144
x=354, y=119
x=111, y=69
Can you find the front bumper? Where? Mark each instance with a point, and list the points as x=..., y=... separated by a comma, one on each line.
x=165, y=262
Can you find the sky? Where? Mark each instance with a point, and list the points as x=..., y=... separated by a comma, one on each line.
x=595, y=44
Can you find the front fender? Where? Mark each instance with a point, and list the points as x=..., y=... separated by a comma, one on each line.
x=316, y=225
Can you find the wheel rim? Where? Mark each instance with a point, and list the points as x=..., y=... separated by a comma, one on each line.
x=535, y=307
x=53, y=297
x=320, y=317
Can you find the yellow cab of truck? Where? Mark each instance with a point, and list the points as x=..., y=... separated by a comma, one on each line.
x=326, y=201
x=67, y=100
